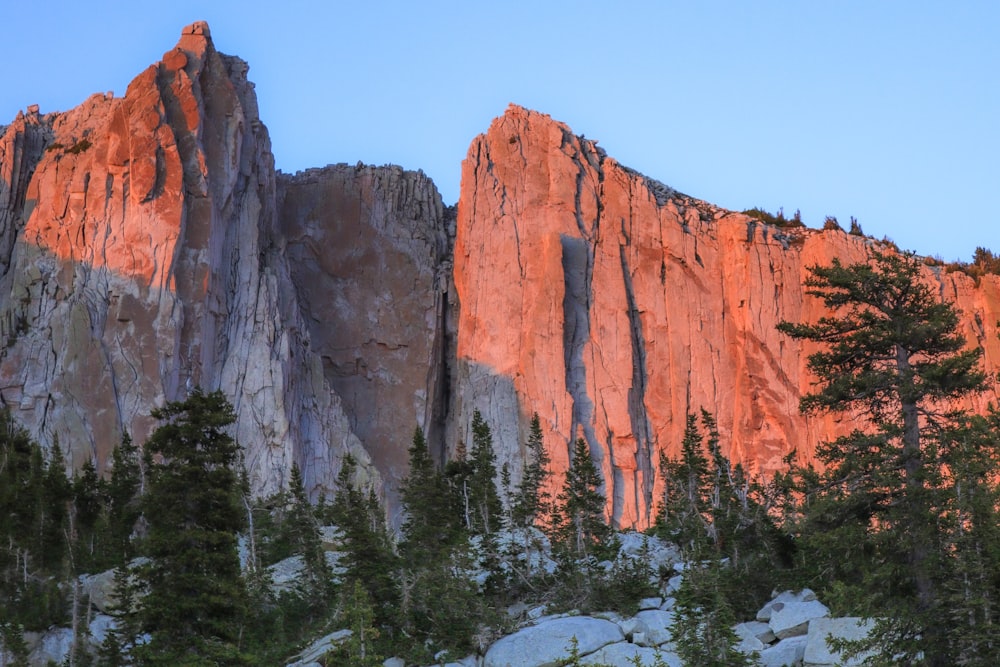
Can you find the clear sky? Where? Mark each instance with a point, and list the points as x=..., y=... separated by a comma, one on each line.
x=888, y=110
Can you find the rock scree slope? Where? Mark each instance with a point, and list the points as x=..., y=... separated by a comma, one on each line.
x=148, y=245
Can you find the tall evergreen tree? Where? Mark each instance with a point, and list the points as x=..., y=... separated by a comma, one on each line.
x=891, y=353
x=369, y=557
x=431, y=527
x=194, y=606
x=581, y=505
x=484, y=499
x=719, y=519
x=531, y=504
x=316, y=584
x=29, y=577
x=123, y=490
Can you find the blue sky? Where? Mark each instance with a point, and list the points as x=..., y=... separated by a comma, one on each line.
x=888, y=111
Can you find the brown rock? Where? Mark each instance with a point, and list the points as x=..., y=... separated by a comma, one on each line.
x=370, y=256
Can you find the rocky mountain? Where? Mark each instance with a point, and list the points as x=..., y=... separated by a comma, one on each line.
x=147, y=245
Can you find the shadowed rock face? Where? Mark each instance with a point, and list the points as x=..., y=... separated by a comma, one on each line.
x=145, y=259
x=147, y=245
x=613, y=305
x=370, y=256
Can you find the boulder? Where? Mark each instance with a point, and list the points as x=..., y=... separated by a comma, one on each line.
x=787, y=652
x=53, y=647
x=749, y=642
x=793, y=618
x=780, y=600
x=624, y=654
x=548, y=643
x=99, y=589
x=319, y=648
x=759, y=630
x=99, y=627
x=819, y=654
x=655, y=626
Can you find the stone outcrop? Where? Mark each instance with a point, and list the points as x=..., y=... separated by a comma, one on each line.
x=612, y=305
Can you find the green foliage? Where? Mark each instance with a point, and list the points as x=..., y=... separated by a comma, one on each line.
x=439, y=604
x=531, y=505
x=486, y=509
x=370, y=559
x=778, y=219
x=831, y=224
x=720, y=518
x=123, y=505
x=194, y=607
x=984, y=262
x=581, y=528
x=79, y=147
x=30, y=574
x=431, y=528
x=706, y=612
x=880, y=526
x=358, y=650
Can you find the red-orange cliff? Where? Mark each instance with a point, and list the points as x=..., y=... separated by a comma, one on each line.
x=147, y=244
x=612, y=306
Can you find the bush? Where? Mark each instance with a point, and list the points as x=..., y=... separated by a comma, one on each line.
x=831, y=224
x=778, y=220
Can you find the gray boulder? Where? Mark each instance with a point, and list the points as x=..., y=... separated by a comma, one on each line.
x=548, y=643
x=319, y=648
x=780, y=600
x=655, y=626
x=818, y=652
x=624, y=654
x=788, y=652
x=793, y=618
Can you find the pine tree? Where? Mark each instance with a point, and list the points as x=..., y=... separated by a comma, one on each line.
x=316, y=584
x=89, y=517
x=971, y=591
x=581, y=505
x=484, y=499
x=368, y=551
x=359, y=649
x=431, y=527
x=891, y=352
x=123, y=491
x=532, y=504
x=194, y=606
x=682, y=514
x=439, y=604
x=715, y=515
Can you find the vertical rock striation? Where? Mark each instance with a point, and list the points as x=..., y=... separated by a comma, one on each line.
x=613, y=305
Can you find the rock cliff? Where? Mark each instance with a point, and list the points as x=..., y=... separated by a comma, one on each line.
x=612, y=305
x=142, y=256
x=147, y=245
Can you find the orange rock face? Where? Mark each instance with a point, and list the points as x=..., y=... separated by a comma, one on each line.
x=148, y=245
x=141, y=257
x=612, y=306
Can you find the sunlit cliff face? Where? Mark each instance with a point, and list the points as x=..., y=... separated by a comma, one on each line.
x=148, y=245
